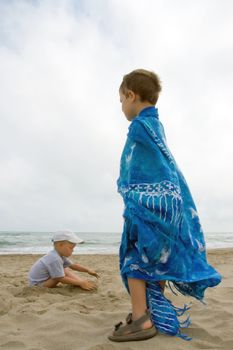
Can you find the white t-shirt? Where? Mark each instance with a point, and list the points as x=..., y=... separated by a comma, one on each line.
x=49, y=266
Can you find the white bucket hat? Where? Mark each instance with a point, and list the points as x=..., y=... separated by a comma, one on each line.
x=66, y=235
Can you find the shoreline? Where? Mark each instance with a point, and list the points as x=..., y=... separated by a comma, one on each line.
x=209, y=251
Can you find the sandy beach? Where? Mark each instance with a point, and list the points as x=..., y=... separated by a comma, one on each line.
x=68, y=318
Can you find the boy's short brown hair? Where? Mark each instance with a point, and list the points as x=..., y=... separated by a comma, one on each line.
x=144, y=83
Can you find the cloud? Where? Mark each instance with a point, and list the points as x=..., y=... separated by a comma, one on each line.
x=62, y=130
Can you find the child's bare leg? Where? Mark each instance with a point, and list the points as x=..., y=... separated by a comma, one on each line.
x=137, y=290
x=50, y=283
x=162, y=285
x=69, y=273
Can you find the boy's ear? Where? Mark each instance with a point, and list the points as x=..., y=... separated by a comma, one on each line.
x=131, y=95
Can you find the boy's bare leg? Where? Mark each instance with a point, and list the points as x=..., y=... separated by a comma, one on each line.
x=69, y=273
x=162, y=285
x=50, y=283
x=83, y=283
x=137, y=290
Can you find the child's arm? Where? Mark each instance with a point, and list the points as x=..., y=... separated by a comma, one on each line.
x=80, y=268
x=84, y=284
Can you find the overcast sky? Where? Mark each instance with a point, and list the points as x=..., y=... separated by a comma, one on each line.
x=61, y=126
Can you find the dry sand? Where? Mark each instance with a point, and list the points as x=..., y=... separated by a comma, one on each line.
x=68, y=318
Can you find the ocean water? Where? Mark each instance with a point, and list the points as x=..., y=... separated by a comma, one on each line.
x=94, y=242
x=19, y=242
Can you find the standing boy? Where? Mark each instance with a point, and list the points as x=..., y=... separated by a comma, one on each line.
x=162, y=238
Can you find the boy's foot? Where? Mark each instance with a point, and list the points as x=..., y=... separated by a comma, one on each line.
x=140, y=329
x=147, y=324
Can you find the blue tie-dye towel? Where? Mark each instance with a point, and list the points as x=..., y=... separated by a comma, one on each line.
x=162, y=237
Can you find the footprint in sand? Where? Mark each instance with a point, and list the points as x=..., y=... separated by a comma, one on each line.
x=103, y=347
x=11, y=345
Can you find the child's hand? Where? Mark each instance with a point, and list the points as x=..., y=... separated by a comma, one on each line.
x=88, y=285
x=93, y=273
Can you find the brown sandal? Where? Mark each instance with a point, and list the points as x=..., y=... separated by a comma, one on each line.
x=133, y=330
x=129, y=318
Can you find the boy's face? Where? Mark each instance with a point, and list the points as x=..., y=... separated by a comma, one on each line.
x=129, y=104
x=65, y=248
